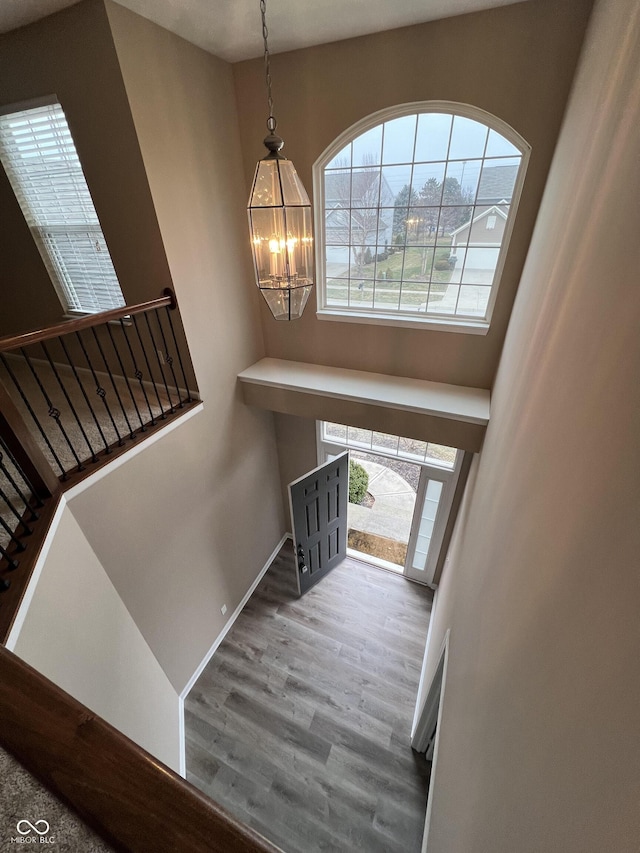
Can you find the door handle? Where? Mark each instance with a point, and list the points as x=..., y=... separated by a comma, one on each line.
x=302, y=568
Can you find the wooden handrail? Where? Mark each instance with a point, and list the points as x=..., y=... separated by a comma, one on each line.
x=131, y=799
x=24, y=339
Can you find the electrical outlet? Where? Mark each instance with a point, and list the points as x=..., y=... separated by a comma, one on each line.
x=223, y=609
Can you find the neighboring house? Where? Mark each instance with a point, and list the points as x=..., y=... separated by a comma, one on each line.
x=496, y=185
x=483, y=232
x=479, y=239
x=352, y=215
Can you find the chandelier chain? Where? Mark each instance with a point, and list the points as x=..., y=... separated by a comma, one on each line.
x=271, y=122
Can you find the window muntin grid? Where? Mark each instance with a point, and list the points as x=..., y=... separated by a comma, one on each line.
x=419, y=251
x=410, y=449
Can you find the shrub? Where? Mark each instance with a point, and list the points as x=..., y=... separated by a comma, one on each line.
x=358, y=482
x=442, y=264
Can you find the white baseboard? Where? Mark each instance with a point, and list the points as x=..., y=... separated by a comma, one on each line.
x=216, y=643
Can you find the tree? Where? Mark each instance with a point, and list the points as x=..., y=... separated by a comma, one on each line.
x=453, y=217
x=353, y=197
x=404, y=199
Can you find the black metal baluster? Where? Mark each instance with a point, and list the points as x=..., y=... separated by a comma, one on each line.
x=126, y=378
x=86, y=398
x=146, y=358
x=168, y=358
x=13, y=564
x=34, y=495
x=26, y=501
x=137, y=372
x=100, y=391
x=34, y=417
x=19, y=545
x=157, y=352
x=53, y=411
x=184, y=375
x=9, y=504
x=113, y=383
x=92, y=452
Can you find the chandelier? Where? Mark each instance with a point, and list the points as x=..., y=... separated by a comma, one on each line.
x=280, y=221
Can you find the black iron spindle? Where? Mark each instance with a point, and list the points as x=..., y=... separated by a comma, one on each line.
x=169, y=359
x=25, y=500
x=53, y=411
x=92, y=452
x=126, y=378
x=146, y=358
x=86, y=398
x=34, y=495
x=34, y=417
x=20, y=546
x=101, y=392
x=173, y=333
x=113, y=382
x=157, y=352
x=12, y=509
x=12, y=564
x=137, y=372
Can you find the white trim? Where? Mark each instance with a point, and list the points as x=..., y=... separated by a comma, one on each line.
x=378, y=562
x=417, y=709
x=216, y=643
x=182, y=740
x=142, y=445
x=65, y=498
x=29, y=592
x=205, y=660
x=437, y=685
x=464, y=326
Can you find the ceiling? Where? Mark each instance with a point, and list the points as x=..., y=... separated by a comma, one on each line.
x=231, y=28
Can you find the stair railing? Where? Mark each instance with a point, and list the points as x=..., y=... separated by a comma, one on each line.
x=74, y=396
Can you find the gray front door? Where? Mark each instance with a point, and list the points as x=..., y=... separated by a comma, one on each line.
x=319, y=516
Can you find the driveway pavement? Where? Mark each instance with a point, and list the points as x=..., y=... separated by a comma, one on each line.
x=392, y=511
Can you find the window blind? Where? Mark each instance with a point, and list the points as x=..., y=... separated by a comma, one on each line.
x=41, y=162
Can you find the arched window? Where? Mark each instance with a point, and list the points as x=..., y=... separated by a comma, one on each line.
x=414, y=210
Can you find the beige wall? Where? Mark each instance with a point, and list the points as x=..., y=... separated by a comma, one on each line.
x=185, y=526
x=71, y=55
x=516, y=62
x=79, y=634
x=537, y=746
x=297, y=453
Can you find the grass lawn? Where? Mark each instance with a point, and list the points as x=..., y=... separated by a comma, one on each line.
x=414, y=284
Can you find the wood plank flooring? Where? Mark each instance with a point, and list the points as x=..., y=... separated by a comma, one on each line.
x=300, y=723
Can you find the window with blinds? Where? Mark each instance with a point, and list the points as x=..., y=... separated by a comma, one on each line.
x=41, y=162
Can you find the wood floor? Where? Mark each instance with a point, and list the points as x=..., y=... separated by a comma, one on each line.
x=300, y=723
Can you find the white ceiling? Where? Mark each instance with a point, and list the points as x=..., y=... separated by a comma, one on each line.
x=231, y=29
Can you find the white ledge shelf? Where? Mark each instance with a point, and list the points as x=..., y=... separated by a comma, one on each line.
x=416, y=408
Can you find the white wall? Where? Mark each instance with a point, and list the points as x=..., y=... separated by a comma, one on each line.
x=78, y=633
x=538, y=750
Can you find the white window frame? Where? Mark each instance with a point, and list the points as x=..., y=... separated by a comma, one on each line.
x=69, y=287
x=406, y=320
